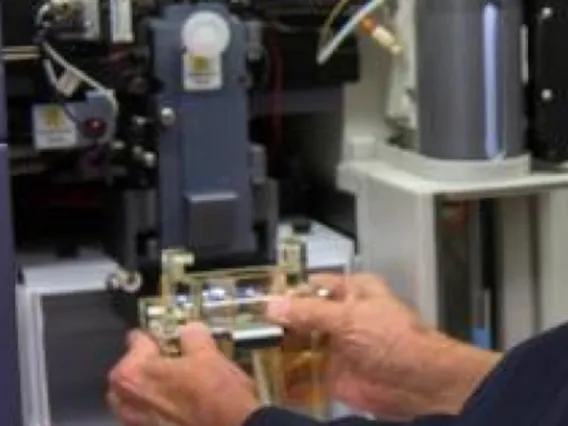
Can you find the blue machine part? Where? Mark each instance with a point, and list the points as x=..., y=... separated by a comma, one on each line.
x=205, y=185
x=481, y=337
x=10, y=411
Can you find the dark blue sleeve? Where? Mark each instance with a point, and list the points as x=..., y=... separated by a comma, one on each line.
x=279, y=417
x=529, y=387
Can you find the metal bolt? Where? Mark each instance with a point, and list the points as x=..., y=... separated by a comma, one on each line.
x=167, y=116
x=129, y=282
x=547, y=95
x=138, y=152
x=118, y=145
x=546, y=12
x=149, y=159
x=133, y=283
x=139, y=121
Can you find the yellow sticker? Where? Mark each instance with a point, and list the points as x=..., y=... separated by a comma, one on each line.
x=53, y=117
x=199, y=64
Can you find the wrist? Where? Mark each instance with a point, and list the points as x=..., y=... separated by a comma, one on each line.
x=240, y=413
x=456, y=370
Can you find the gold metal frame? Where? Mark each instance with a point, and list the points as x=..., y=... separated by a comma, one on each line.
x=270, y=363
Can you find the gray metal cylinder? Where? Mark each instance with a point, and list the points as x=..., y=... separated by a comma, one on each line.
x=469, y=79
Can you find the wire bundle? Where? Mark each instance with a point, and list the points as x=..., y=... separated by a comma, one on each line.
x=328, y=45
x=51, y=57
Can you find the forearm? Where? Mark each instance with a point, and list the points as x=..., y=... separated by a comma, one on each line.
x=450, y=371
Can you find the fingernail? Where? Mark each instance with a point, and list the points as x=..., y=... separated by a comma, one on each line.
x=278, y=309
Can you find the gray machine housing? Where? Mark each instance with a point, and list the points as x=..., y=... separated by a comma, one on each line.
x=469, y=79
x=206, y=160
x=213, y=195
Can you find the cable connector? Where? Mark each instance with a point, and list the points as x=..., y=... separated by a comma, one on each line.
x=381, y=35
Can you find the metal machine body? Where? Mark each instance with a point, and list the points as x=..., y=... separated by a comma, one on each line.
x=10, y=411
x=217, y=252
x=151, y=170
x=470, y=95
x=167, y=131
x=547, y=102
x=207, y=163
x=511, y=109
x=9, y=370
x=213, y=197
x=449, y=223
x=184, y=168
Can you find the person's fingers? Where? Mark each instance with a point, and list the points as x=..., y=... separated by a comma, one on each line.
x=141, y=343
x=336, y=285
x=113, y=401
x=195, y=338
x=133, y=390
x=305, y=314
x=158, y=397
x=128, y=414
x=140, y=348
x=368, y=285
x=153, y=392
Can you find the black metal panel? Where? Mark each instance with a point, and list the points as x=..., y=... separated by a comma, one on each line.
x=18, y=22
x=548, y=84
x=292, y=55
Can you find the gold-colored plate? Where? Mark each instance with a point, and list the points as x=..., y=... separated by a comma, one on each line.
x=287, y=369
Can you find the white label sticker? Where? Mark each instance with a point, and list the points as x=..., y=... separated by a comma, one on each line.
x=202, y=73
x=53, y=129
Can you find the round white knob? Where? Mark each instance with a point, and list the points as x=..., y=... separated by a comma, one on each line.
x=206, y=34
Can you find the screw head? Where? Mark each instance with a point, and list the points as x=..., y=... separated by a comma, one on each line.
x=138, y=151
x=167, y=116
x=133, y=283
x=139, y=121
x=149, y=159
x=118, y=145
x=546, y=12
x=547, y=95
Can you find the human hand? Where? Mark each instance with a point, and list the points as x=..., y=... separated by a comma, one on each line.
x=383, y=358
x=199, y=388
